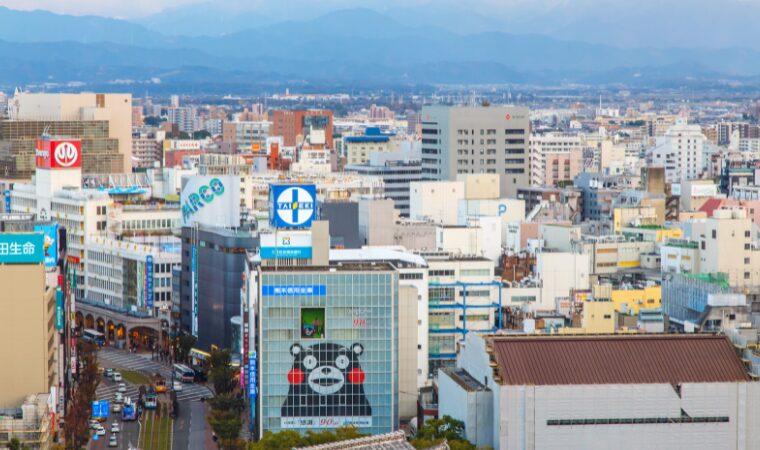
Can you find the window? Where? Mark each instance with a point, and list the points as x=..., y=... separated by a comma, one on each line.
x=747, y=234
x=714, y=234
x=410, y=276
x=746, y=275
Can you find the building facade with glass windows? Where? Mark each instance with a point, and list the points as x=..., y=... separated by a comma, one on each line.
x=327, y=347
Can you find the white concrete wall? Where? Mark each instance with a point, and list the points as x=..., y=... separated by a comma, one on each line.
x=436, y=201
x=528, y=408
x=560, y=272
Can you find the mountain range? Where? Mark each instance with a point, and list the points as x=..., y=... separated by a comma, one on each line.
x=351, y=47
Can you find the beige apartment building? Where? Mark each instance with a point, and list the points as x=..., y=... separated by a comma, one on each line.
x=27, y=333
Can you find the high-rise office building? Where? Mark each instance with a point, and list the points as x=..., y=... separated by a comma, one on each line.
x=490, y=139
x=103, y=123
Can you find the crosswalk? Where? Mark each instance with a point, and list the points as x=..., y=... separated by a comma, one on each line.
x=120, y=359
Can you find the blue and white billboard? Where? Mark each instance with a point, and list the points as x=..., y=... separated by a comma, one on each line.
x=290, y=290
x=149, y=281
x=101, y=408
x=211, y=200
x=286, y=245
x=7, y=201
x=292, y=206
x=22, y=248
x=51, y=243
x=252, y=375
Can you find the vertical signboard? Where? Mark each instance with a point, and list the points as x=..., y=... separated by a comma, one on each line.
x=140, y=279
x=7, y=201
x=149, y=281
x=58, y=309
x=252, y=369
x=50, y=245
x=194, y=300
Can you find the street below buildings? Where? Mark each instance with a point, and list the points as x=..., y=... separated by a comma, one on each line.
x=189, y=430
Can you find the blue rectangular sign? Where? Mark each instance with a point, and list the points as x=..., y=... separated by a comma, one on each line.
x=292, y=205
x=252, y=374
x=285, y=252
x=149, y=281
x=18, y=248
x=312, y=290
x=101, y=408
x=51, y=243
x=8, y=201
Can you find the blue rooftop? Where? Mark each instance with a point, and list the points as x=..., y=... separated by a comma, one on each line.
x=371, y=134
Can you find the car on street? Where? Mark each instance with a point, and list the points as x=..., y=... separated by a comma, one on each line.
x=119, y=398
x=100, y=431
x=177, y=385
x=115, y=427
x=116, y=408
x=113, y=442
x=108, y=373
x=117, y=377
x=94, y=424
x=122, y=387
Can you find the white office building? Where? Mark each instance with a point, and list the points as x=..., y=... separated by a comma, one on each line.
x=680, y=152
x=467, y=140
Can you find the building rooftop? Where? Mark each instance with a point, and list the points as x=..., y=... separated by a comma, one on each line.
x=616, y=359
x=335, y=267
x=464, y=379
x=388, y=441
x=369, y=254
x=721, y=279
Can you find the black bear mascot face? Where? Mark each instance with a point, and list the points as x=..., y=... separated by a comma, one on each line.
x=326, y=380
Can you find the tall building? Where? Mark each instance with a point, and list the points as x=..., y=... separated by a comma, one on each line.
x=147, y=148
x=103, y=123
x=494, y=139
x=184, y=117
x=213, y=260
x=680, y=152
x=397, y=174
x=296, y=126
x=555, y=157
x=247, y=136
x=28, y=324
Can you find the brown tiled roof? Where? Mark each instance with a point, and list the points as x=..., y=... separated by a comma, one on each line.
x=616, y=359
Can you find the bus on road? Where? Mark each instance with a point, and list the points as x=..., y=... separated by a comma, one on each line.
x=183, y=373
x=94, y=336
x=128, y=412
x=150, y=400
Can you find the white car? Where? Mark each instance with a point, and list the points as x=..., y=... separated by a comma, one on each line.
x=94, y=424
x=117, y=376
x=113, y=442
x=122, y=387
x=100, y=431
x=115, y=427
x=177, y=386
x=116, y=408
x=119, y=398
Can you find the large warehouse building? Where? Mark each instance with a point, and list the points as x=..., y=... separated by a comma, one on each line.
x=602, y=392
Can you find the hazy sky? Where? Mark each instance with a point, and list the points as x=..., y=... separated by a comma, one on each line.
x=140, y=8
x=110, y=8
